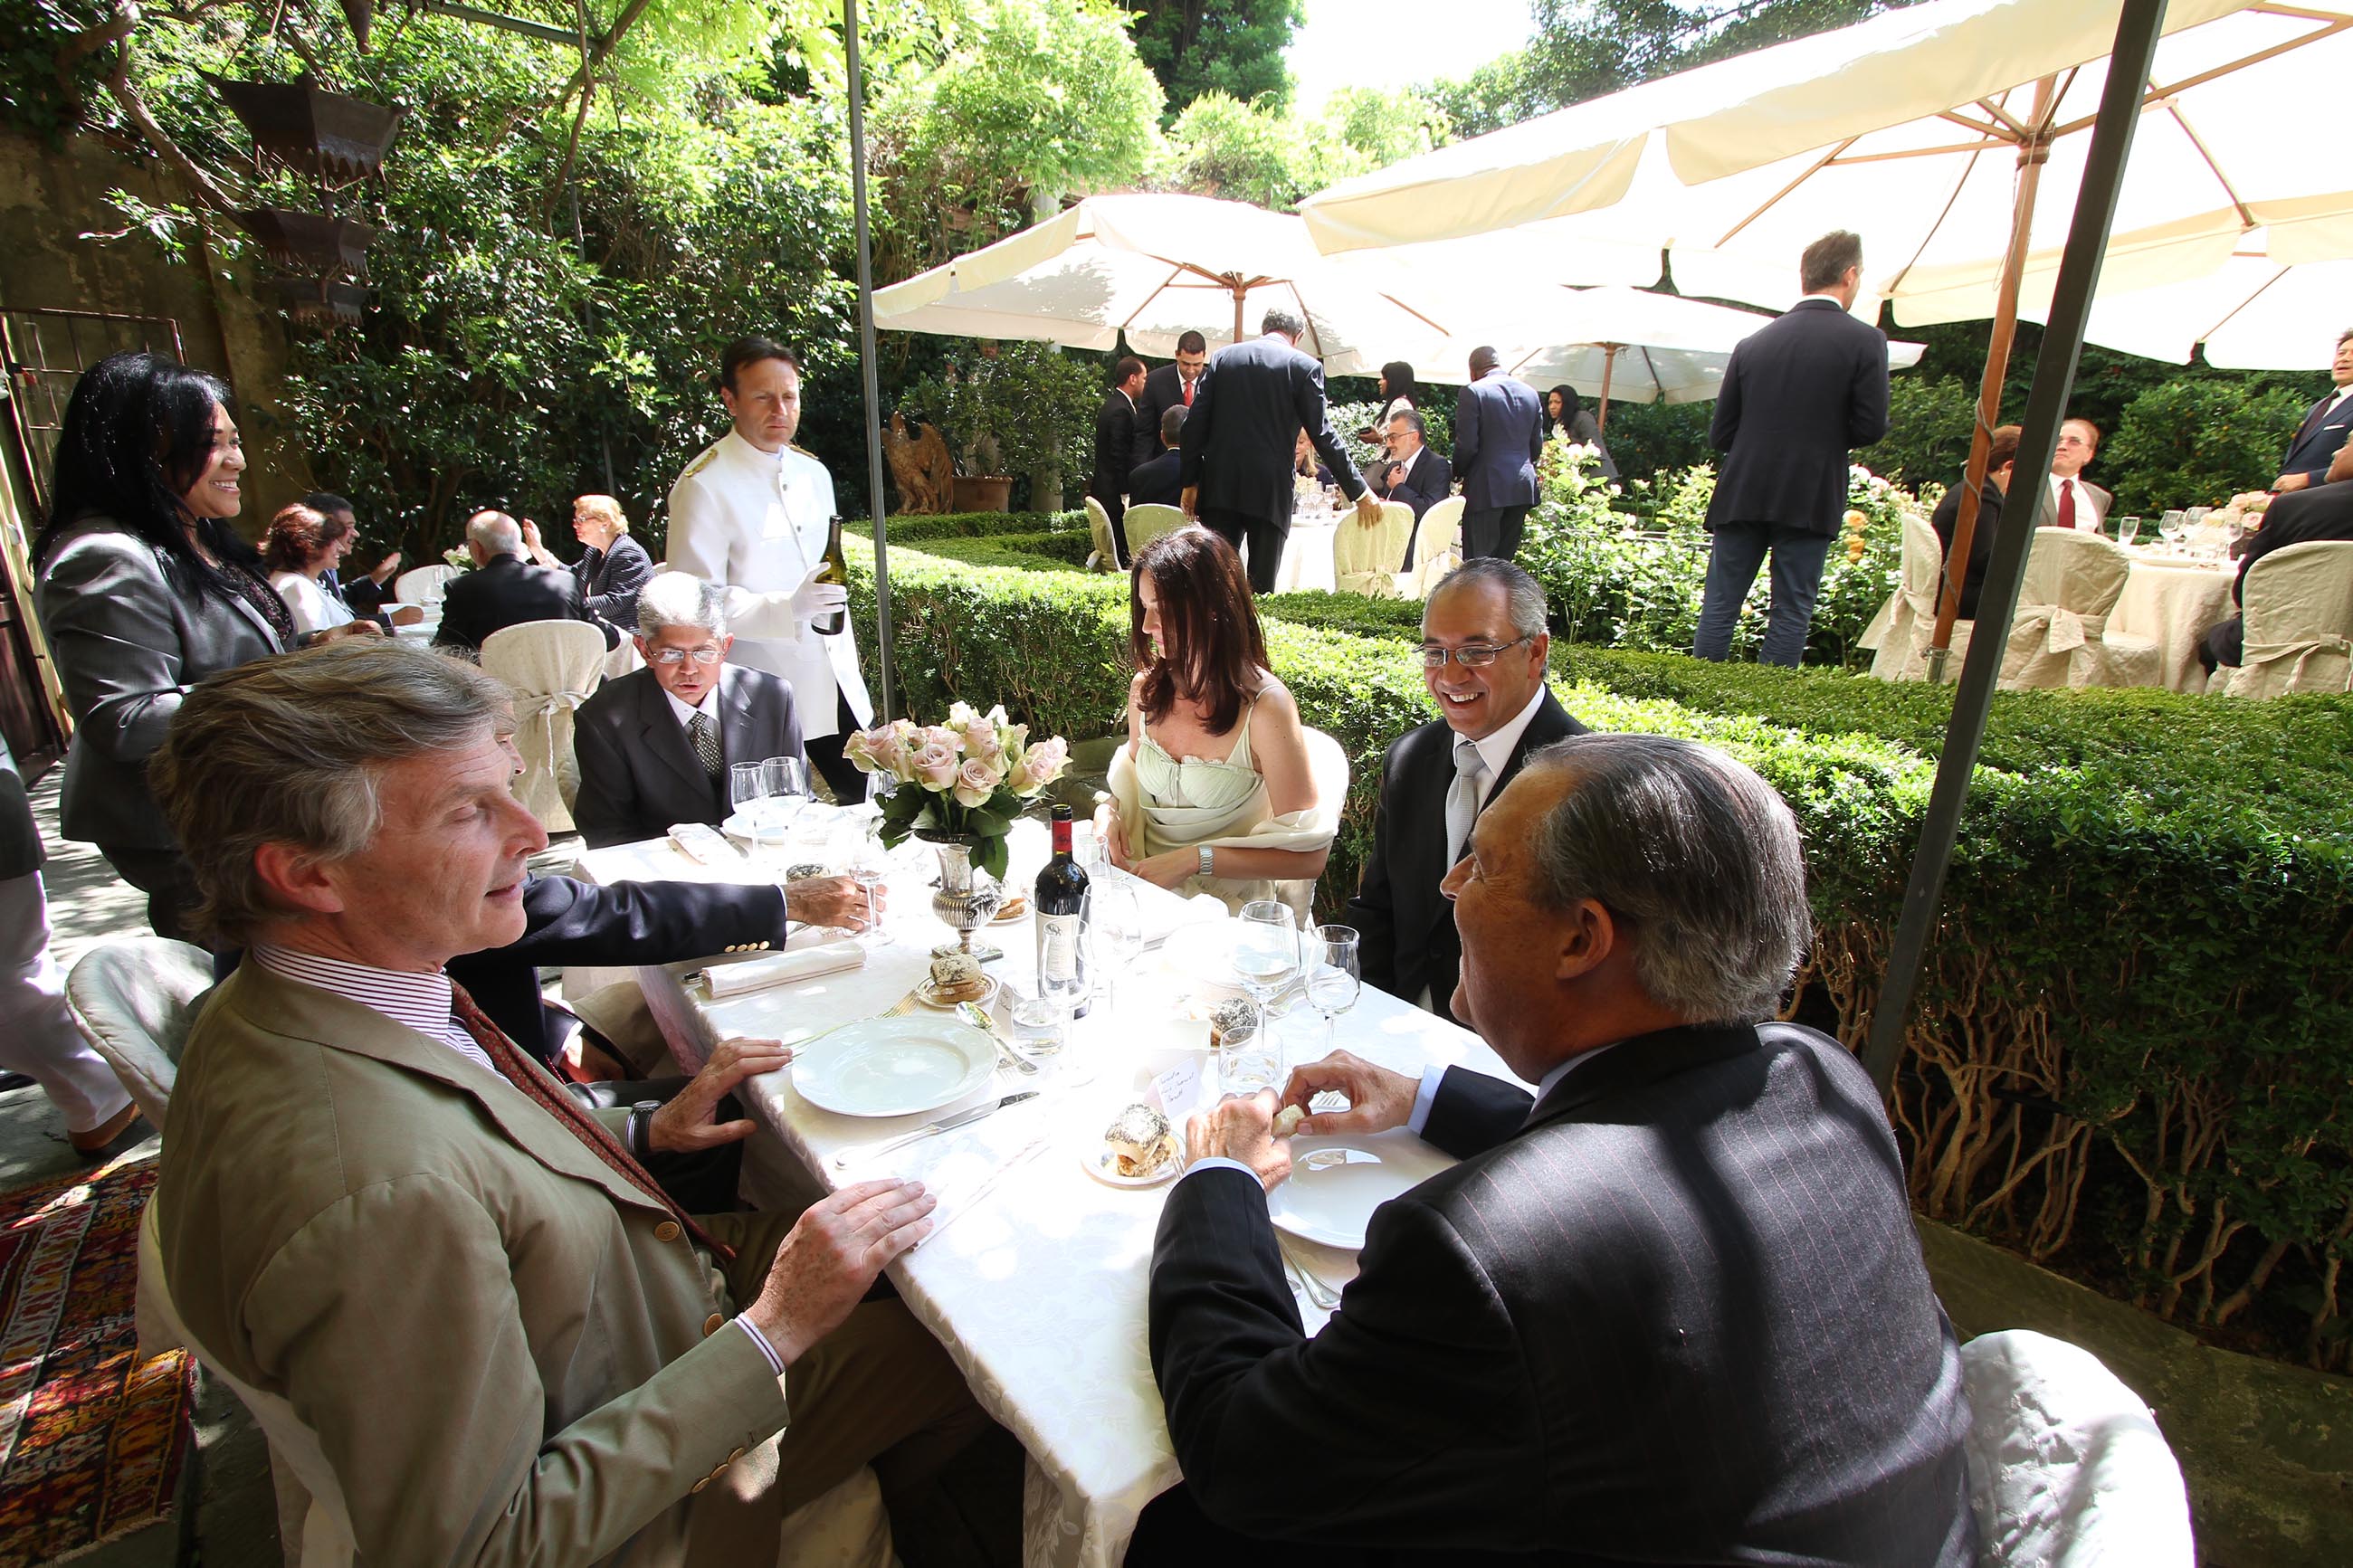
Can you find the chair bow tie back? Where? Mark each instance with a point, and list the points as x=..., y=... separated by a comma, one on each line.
x=2261, y=656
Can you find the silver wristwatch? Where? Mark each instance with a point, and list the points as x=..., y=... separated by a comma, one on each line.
x=1208, y=861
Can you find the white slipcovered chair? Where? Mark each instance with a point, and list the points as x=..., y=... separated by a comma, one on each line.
x=422, y=584
x=1437, y=548
x=2066, y=1466
x=550, y=667
x=1365, y=556
x=1327, y=764
x=2298, y=605
x=134, y=1000
x=2059, y=635
x=1143, y=524
x=1905, y=624
x=1103, y=558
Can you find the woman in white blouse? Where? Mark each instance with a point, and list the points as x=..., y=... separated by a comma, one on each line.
x=301, y=544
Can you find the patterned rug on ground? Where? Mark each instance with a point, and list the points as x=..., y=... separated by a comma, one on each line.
x=91, y=1437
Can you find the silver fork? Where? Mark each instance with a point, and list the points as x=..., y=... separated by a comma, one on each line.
x=1318, y=1292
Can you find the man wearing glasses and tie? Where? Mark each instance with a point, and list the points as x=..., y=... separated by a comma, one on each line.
x=1484, y=645
x=654, y=746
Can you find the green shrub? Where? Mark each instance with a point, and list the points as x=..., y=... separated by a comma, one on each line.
x=2197, y=443
x=1929, y=422
x=914, y=526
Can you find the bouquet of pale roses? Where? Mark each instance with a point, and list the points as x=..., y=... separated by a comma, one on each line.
x=970, y=777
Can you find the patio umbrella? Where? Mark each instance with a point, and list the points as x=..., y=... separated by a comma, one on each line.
x=1155, y=266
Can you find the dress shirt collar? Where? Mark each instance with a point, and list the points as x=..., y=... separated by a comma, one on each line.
x=2336, y=395
x=1832, y=300
x=1495, y=751
x=414, y=1000
x=708, y=707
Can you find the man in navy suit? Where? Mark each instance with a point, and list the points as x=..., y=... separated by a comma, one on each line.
x=2324, y=423
x=1168, y=386
x=1669, y=1308
x=1157, y=483
x=1498, y=435
x=2322, y=512
x=1797, y=396
x=1252, y=401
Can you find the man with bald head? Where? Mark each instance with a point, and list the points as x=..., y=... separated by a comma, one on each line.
x=1669, y=1308
x=505, y=590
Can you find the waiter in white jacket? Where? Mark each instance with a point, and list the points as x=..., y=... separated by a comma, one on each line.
x=751, y=512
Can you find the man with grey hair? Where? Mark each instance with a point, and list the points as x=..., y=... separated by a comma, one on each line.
x=1669, y=1308
x=1251, y=403
x=1484, y=652
x=374, y=1205
x=655, y=746
x=505, y=590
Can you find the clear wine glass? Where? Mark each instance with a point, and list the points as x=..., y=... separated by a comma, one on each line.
x=747, y=783
x=1116, y=919
x=869, y=862
x=2128, y=529
x=1334, y=977
x=1266, y=955
x=2170, y=528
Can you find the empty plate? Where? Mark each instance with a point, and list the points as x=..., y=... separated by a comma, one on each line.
x=893, y=1067
x=1335, y=1183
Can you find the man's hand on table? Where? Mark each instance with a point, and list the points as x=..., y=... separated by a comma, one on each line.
x=1240, y=1127
x=836, y=1249
x=1378, y=1098
x=2292, y=482
x=834, y=901
x=685, y=1124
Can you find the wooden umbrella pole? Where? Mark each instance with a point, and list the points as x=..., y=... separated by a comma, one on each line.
x=1240, y=290
x=2032, y=154
x=1609, y=363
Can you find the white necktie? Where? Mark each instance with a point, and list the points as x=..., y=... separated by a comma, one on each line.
x=1462, y=797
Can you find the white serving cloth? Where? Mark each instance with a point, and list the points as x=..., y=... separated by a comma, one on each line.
x=721, y=981
x=1035, y=1281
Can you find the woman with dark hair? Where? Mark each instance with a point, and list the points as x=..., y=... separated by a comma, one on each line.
x=1566, y=416
x=1213, y=791
x=303, y=545
x=1399, y=392
x=144, y=590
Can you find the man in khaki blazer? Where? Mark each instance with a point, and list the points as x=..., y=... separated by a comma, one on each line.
x=509, y=1344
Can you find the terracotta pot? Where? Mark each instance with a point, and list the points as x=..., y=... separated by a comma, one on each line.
x=983, y=492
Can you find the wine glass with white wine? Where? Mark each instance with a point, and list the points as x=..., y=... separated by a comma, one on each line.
x=1266, y=958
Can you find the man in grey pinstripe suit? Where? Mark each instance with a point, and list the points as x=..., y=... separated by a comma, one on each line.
x=1667, y=1309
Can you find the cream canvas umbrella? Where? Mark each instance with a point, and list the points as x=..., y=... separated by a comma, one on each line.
x=1155, y=266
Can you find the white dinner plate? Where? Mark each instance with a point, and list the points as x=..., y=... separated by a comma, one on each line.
x=739, y=823
x=1335, y=1183
x=893, y=1067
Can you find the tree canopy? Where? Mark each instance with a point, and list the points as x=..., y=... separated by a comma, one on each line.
x=1229, y=47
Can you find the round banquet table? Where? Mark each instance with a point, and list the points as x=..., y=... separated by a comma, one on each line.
x=1307, y=555
x=2174, y=601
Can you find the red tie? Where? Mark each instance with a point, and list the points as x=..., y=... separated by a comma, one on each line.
x=2066, y=504
x=551, y=1097
x=1188, y=390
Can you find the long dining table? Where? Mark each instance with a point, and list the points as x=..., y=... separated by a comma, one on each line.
x=1035, y=1276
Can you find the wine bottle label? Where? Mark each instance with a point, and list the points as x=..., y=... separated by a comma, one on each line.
x=1058, y=949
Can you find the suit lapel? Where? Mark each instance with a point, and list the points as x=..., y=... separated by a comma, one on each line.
x=1638, y=1063
x=665, y=737
x=738, y=724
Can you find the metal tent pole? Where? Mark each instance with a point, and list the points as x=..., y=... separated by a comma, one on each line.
x=2046, y=407
x=866, y=362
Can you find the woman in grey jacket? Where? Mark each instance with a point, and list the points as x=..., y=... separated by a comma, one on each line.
x=144, y=590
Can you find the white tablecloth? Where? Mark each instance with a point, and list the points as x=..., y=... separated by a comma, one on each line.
x=1035, y=1280
x=2174, y=603
x=1307, y=558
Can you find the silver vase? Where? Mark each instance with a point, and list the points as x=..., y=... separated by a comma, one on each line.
x=967, y=896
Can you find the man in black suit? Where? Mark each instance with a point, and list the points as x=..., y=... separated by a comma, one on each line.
x=1414, y=475
x=1669, y=1308
x=655, y=746
x=1495, y=712
x=504, y=590
x=2002, y=464
x=1157, y=482
x=1797, y=396
x=1252, y=401
x=1499, y=433
x=1169, y=386
x=1115, y=443
x=2319, y=439
x=2323, y=511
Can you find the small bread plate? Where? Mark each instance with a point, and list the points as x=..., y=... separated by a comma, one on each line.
x=1335, y=1183
x=928, y=993
x=893, y=1067
x=1016, y=907
x=1103, y=1166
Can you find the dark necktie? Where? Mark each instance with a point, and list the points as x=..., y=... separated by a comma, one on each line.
x=2066, y=504
x=705, y=737
x=552, y=1097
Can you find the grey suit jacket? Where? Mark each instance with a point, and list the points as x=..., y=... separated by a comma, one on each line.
x=638, y=774
x=129, y=640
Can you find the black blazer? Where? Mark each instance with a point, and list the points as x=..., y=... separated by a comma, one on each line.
x=1405, y=926
x=1675, y=1313
x=566, y=922
x=638, y=770
x=1252, y=401
x=2317, y=438
x=1156, y=483
x=1499, y=433
x=1426, y=482
x=609, y=580
x=1797, y=395
x=2299, y=517
x=1115, y=448
x=1948, y=516
x=1163, y=389
x=507, y=593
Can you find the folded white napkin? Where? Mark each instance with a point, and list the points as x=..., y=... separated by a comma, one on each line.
x=726, y=980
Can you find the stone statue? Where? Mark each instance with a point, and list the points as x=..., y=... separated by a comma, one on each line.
x=921, y=466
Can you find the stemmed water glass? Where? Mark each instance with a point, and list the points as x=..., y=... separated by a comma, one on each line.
x=2170, y=528
x=869, y=861
x=785, y=794
x=747, y=786
x=1266, y=957
x=1116, y=921
x=1334, y=977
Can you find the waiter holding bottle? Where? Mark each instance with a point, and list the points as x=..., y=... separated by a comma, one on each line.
x=755, y=513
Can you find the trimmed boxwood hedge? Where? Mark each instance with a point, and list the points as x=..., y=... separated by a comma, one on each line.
x=2133, y=1054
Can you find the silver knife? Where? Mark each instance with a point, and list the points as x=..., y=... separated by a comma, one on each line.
x=946, y=1124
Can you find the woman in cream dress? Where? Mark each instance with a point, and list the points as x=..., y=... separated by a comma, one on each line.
x=1213, y=791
